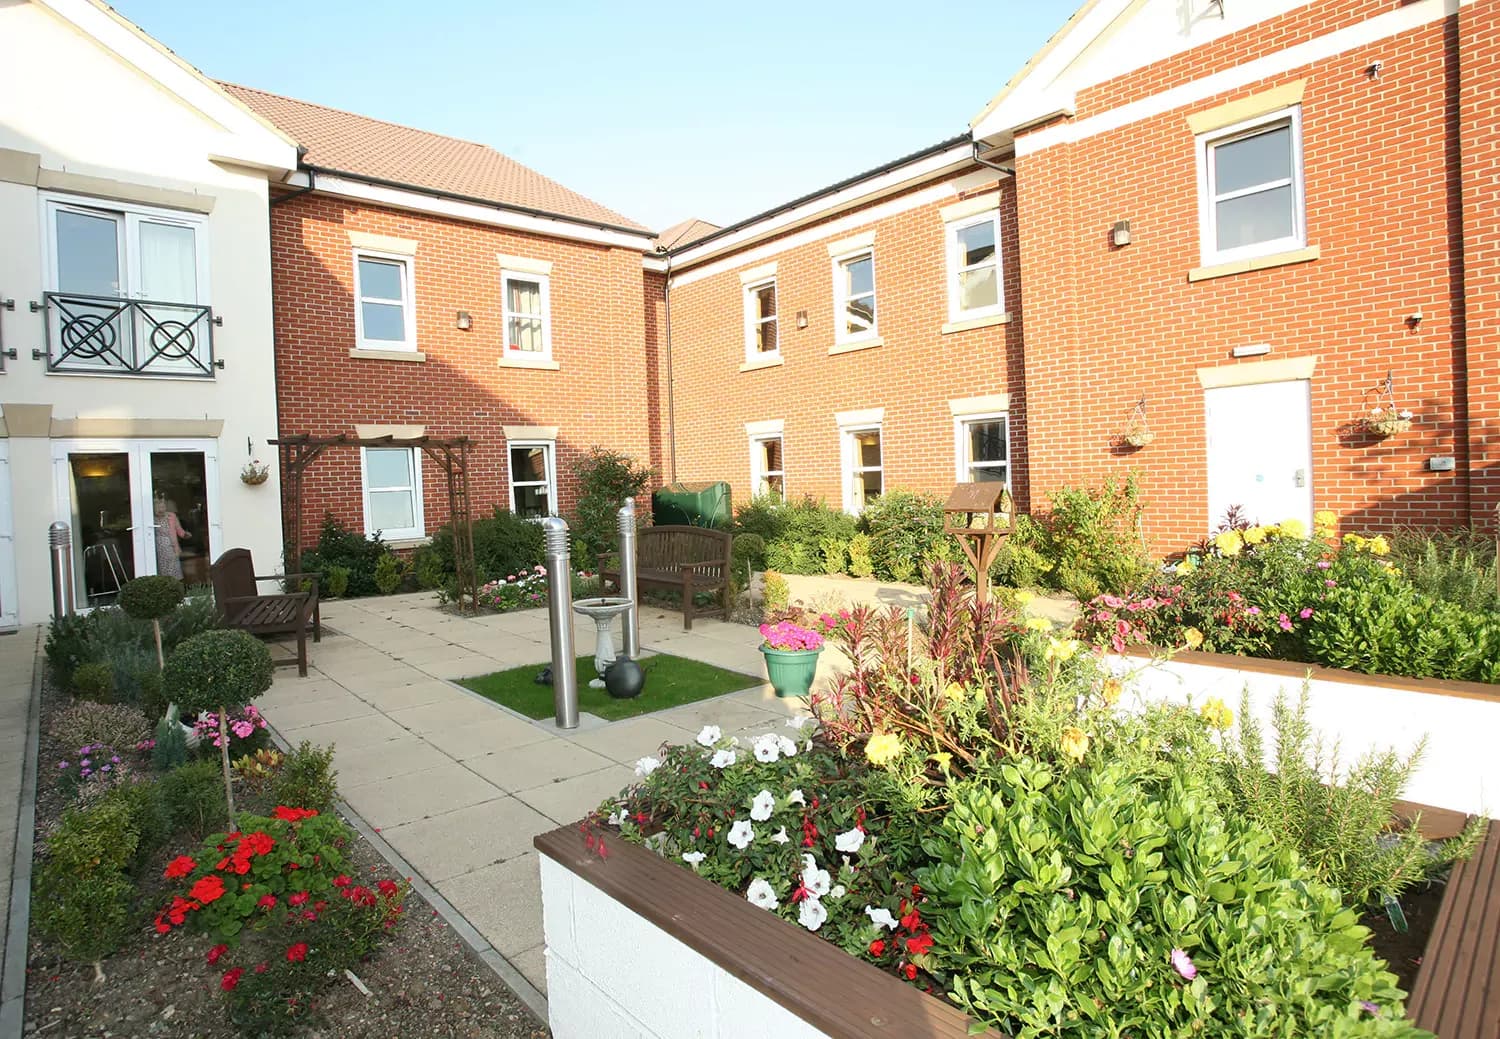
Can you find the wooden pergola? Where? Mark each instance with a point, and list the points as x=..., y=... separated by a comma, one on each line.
x=452, y=454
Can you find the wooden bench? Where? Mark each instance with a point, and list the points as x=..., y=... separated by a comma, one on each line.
x=682, y=559
x=1457, y=992
x=242, y=606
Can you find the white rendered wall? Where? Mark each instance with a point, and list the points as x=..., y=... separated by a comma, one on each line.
x=612, y=973
x=86, y=112
x=1460, y=769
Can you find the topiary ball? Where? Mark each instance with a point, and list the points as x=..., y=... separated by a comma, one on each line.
x=214, y=668
x=151, y=598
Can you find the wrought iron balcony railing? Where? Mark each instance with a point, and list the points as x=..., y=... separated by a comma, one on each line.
x=108, y=334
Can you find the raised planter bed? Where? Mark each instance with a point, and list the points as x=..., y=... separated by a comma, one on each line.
x=640, y=948
x=1460, y=770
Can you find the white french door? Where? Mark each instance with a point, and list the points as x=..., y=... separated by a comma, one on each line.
x=1260, y=452
x=137, y=507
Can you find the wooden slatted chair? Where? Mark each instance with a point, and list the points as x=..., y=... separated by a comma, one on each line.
x=241, y=605
x=683, y=559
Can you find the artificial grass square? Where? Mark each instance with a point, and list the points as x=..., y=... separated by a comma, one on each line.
x=670, y=681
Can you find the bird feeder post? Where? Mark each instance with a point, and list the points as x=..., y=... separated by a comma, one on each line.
x=978, y=515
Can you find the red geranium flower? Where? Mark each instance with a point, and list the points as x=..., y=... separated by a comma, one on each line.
x=181, y=866
x=267, y=902
x=231, y=978
x=388, y=888
x=207, y=889
x=297, y=953
x=877, y=947
x=293, y=815
x=341, y=881
x=918, y=945
x=297, y=899
x=261, y=968
x=216, y=952
x=181, y=907
x=161, y=926
x=258, y=843
x=910, y=972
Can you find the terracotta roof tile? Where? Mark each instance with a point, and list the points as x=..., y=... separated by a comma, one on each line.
x=357, y=144
x=689, y=230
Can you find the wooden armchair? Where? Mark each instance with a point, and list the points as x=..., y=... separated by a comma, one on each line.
x=241, y=605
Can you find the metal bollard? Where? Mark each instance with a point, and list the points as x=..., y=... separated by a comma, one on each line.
x=60, y=538
x=632, y=619
x=560, y=622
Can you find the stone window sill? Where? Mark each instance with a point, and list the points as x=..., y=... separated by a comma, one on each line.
x=539, y=364
x=387, y=355
x=1255, y=263
x=402, y=543
x=758, y=363
x=976, y=322
x=858, y=344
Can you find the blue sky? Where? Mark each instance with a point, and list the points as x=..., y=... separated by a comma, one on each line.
x=660, y=110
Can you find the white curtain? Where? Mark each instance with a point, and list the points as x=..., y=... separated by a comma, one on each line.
x=169, y=263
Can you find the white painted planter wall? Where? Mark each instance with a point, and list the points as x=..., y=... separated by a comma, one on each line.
x=610, y=972
x=1461, y=767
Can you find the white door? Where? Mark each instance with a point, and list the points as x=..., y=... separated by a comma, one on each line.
x=1260, y=452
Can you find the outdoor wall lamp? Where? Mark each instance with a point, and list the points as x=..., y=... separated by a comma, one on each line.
x=801, y=319
x=464, y=322
x=1121, y=232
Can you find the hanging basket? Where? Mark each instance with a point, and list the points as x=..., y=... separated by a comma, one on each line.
x=1138, y=437
x=1135, y=433
x=254, y=474
x=1387, y=422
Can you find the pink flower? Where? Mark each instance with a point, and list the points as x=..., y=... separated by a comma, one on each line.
x=1183, y=964
x=1324, y=564
x=1285, y=622
x=1330, y=583
x=1306, y=612
x=1254, y=611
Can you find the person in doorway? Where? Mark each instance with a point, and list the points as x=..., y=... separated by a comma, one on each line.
x=169, y=535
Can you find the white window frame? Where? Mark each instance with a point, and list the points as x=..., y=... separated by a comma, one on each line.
x=408, y=302
x=544, y=282
x=841, y=298
x=758, y=472
x=956, y=267
x=848, y=461
x=1208, y=230
x=400, y=533
x=962, y=462
x=128, y=216
x=550, y=447
x=753, y=321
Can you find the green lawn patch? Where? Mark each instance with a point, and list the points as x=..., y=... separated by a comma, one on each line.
x=670, y=681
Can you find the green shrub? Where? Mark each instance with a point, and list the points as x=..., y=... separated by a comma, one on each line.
x=193, y=796
x=1061, y=895
x=803, y=527
x=94, y=682
x=340, y=549
x=427, y=565
x=1091, y=539
x=905, y=529
x=217, y=668
x=765, y=516
x=196, y=613
x=389, y=573
x=1455, y=566
x=1337, y=820
x=605, y=479
x=748, y=554
x=82, y=895
x=835, y=555
x=151, y=598
x=150, y=695
x=307, y=778
x=775, y=594
x=68, y=644
x=1019, y=562
x=118, y=725
x=149, y=816
x=170, y=749
x=861, y=563
x=504, y=544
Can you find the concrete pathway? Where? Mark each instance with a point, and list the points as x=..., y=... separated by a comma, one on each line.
x=458, y=785
x=18, y=659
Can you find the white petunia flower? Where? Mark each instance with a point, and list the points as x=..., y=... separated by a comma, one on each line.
x=788, y=746
x=722, y=759
x=839, y=891
x=766, y=748
x=709, y=735
x=850, y=841
x=800, y=723
x=881, y=917
x=814, y=879
x=692, y=858
x=761, y=895
x=796, y=798
x=811, y=914
x=646, y=766
x=616, y=818
x=780, y=836
x=763, y=805
x=741, y=834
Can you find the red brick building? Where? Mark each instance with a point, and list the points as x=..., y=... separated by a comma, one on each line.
x=425, y=284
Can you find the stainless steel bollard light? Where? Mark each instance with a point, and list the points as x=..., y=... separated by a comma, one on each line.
x=560, y=622
x=632, y=621
x=60, y=538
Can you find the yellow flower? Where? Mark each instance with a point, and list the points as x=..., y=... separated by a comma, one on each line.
x=1325, y=522
x=1378, y=545
x=955, y=693
x=1074, y=743
x=882, y=748
x=1022, y=598
x=1193, y=637
x=942, y=757
x=1229, y=543
x=1111, y=691
x=1255, y=535
x=1184, y=568
x=1038, y=624
x=1293, y=528
x=1217, y=713
x=1061, y=650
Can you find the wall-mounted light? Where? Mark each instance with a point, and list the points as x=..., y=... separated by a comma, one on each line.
x=1373, y=71
x=801, y=319
x=464, y=322
x=1415, y=318
x=1120, y=233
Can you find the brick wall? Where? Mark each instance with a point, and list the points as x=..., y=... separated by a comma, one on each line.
x=912, y=376
x=601, y=320
x=1107, y=325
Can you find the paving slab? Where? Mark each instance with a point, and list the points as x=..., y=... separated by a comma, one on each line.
x=468, y=839
x=502, y=731
x=522, y=768
x=633, y=739
x=398, y=757
x=293, y=716
x=533, y=965
x=569, y=800
x=419, y=795
x=402, y=697
x=446, y=714
x=349, y=734
x=504, y=902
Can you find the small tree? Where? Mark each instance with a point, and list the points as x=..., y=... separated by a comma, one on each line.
x=218, y=670
x=151, y=599
x=605, y=479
